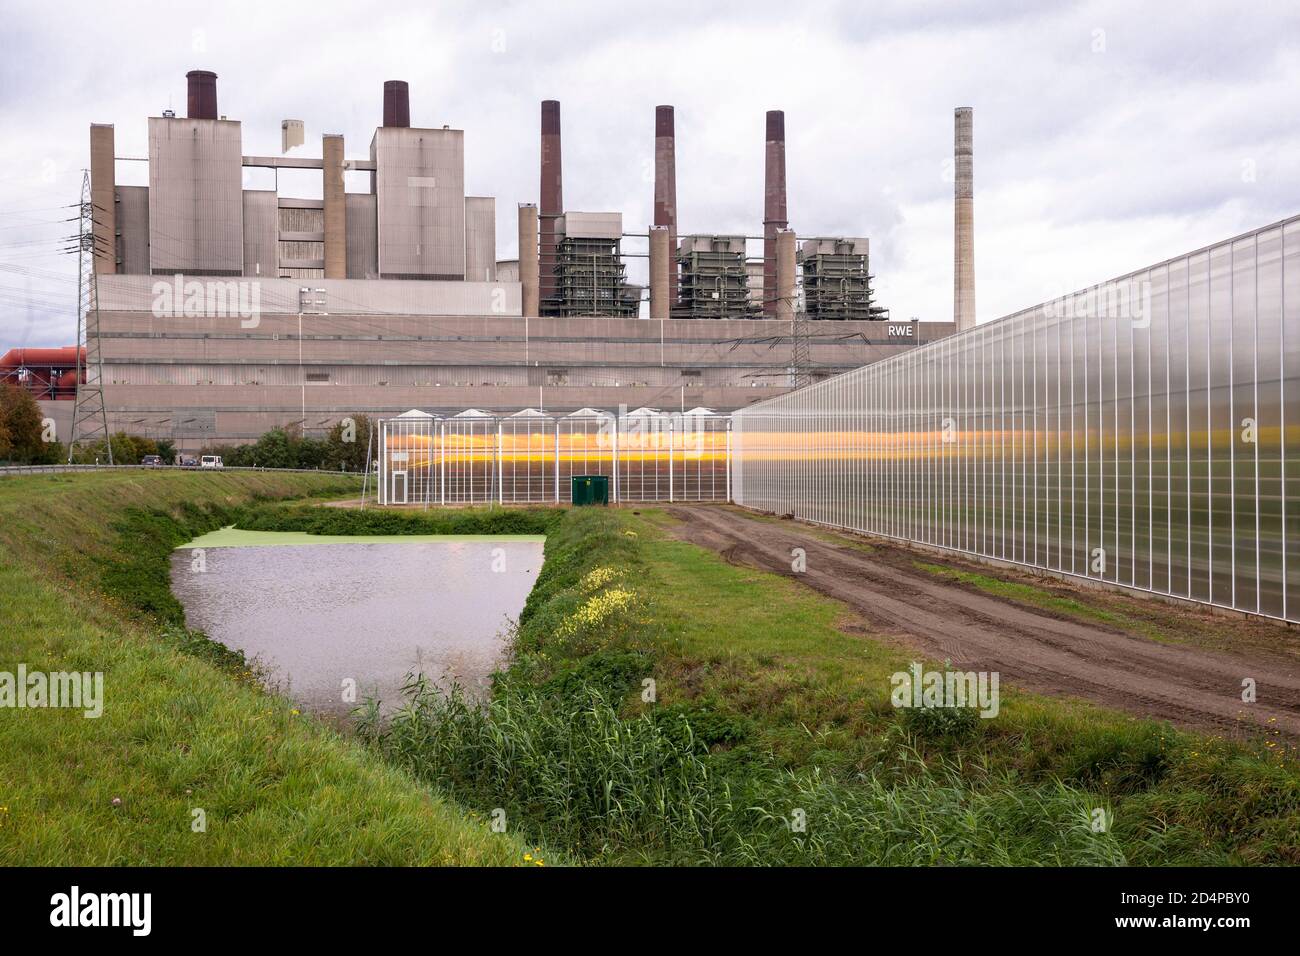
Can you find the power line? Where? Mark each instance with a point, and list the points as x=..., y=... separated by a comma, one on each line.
x=89, y=413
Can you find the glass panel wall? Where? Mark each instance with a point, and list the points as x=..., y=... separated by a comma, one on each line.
x=1144, y=432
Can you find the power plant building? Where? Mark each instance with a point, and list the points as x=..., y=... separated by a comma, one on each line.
x=225, y=311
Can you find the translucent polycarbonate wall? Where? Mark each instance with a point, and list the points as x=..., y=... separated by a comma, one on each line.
x=523, y=459
x=1145, y=432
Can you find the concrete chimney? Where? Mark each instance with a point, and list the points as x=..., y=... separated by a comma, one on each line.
x=528, y=259
x=661, y=272
x=552, y=204
x=774, y=211
x=103, y=197
x=786, y=288
x=202, y=99
x=397, y=103
x=666, y=184
x=963, y=266
x=336, y=210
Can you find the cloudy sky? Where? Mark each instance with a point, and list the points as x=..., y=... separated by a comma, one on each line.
x=1108, y=135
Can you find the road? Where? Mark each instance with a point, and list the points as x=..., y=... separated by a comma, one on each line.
x=1039, y=650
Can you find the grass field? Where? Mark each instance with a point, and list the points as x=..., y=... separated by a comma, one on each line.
x=771, y=703
x=662, y=706
x=183, y=741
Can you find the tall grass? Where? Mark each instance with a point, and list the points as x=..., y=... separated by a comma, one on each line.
x=769, y=714
x=643, y=788
x=83, y=586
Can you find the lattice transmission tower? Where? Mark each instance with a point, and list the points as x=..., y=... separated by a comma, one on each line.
x=800, y=354
x=89, y=414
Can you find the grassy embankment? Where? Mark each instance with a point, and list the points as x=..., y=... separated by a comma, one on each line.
x=84, y=586
x=770, y=738
x=772, y=706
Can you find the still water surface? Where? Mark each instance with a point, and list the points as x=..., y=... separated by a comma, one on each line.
x=367, y=610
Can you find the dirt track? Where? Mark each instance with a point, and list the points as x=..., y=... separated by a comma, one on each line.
x=1031, y=648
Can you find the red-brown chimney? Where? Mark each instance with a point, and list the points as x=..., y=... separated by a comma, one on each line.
x=552, y=204
x=666, y=185
x=397, y=103
x=774, y=210
x=202, y=99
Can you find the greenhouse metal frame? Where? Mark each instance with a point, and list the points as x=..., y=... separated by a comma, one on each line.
x=1144, y=432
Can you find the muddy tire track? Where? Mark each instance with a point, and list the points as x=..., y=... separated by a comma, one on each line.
x=1036, y=649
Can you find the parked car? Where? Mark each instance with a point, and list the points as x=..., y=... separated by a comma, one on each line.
x=211, y=461
x=152, y=461
x=187, y=461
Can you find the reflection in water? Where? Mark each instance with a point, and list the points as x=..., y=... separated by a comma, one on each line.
x=318, y=615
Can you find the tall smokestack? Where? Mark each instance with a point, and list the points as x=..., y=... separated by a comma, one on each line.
x=552, y=204
x=963, y=265
x=397, y=103
x=202, y=99
x=774, y=212
x=666, y=185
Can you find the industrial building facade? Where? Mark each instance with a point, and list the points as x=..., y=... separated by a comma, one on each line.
x=1144, y=432
x=222, y=312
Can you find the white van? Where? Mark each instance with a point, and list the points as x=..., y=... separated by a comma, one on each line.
x=211, y=461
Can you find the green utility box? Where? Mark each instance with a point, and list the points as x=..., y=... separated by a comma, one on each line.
x=590, y=490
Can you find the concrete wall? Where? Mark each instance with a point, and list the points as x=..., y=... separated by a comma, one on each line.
x=261, y=233
x=211, y=378
x=420, y=195
x=133, y=229
x=363, y=253
x=481, y=238
x=103, y=181
x=196, y=204
x=122, y=293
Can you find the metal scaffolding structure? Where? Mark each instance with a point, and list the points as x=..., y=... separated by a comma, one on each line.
x=591, y=279
x=836, y=281
x=714, y=280
x=89, y=414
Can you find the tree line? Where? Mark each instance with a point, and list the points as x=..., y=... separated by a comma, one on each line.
x=27, y=438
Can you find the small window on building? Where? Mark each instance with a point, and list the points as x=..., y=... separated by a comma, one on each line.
x=318, y=376
x=557, y=376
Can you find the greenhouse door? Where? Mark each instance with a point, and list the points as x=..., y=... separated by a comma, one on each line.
x=398, y=496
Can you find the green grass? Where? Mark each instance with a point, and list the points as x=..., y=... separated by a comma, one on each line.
x=768, y=739
x=83, y=586
x=1032, y=596
x=772, y=700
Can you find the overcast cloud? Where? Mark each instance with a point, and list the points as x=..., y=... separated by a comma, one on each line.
x=1108, y=135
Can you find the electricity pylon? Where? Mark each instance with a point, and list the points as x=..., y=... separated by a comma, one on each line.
x=89, y=414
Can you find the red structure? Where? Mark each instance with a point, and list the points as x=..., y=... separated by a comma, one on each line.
x=666, y=188
x=552, y=205
x=397, y=103
x=201, y=94
x=774, y=205
x=46, y=373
